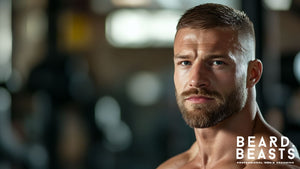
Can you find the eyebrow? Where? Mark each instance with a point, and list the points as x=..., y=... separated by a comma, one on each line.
x=214, y=56
x=210, y=56
x=180, y=56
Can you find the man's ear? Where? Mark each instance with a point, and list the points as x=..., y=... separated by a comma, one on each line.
x=255, y=69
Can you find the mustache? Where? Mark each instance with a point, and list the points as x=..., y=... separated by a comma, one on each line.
x=201, y=92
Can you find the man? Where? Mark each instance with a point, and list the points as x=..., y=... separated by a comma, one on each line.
x=215, y=76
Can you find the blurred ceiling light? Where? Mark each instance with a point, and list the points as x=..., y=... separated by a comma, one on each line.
x=175, y=4
x=141, y=28
x=183, y=4
x=131, y=3
x=297, y=67
x=104, y=6
x=279, y=5
x=5, y=40
x=144, y=88
x=232, y=3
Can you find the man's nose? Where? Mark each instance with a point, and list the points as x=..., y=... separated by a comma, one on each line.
x=199, y=76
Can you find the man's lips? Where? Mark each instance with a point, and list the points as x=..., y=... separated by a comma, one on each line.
x=199, y=99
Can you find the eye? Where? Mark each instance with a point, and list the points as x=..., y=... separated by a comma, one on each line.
x=185, y=63
x=218, y=62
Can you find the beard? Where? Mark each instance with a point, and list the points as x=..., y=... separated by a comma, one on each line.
x=204, y=115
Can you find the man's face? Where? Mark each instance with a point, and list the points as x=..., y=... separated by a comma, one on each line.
x=210, y=75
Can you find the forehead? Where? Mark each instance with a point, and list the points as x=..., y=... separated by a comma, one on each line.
x=211, y=40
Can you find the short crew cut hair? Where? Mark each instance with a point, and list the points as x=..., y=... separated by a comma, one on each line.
x=211, y=15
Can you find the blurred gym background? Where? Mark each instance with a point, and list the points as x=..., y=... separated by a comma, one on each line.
x=87, y=84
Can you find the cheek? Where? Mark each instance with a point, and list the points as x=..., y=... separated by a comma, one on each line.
x=225, y=78
x=233, y=75
x=229, y=82
x=179, y=81
x=225, y=81
x=241, y=76
x=176, y=80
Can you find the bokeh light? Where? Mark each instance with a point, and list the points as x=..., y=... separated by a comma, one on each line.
x=108, y=119
x=107, y=112
x=5, y=100
x=297, y=67
x=144, y=88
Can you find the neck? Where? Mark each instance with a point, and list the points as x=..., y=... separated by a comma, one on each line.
x=219, y=142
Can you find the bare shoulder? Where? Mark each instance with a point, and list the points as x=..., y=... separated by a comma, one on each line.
x=179, y=160
x=175, y=162
x=269, y=149
x=276, y=146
